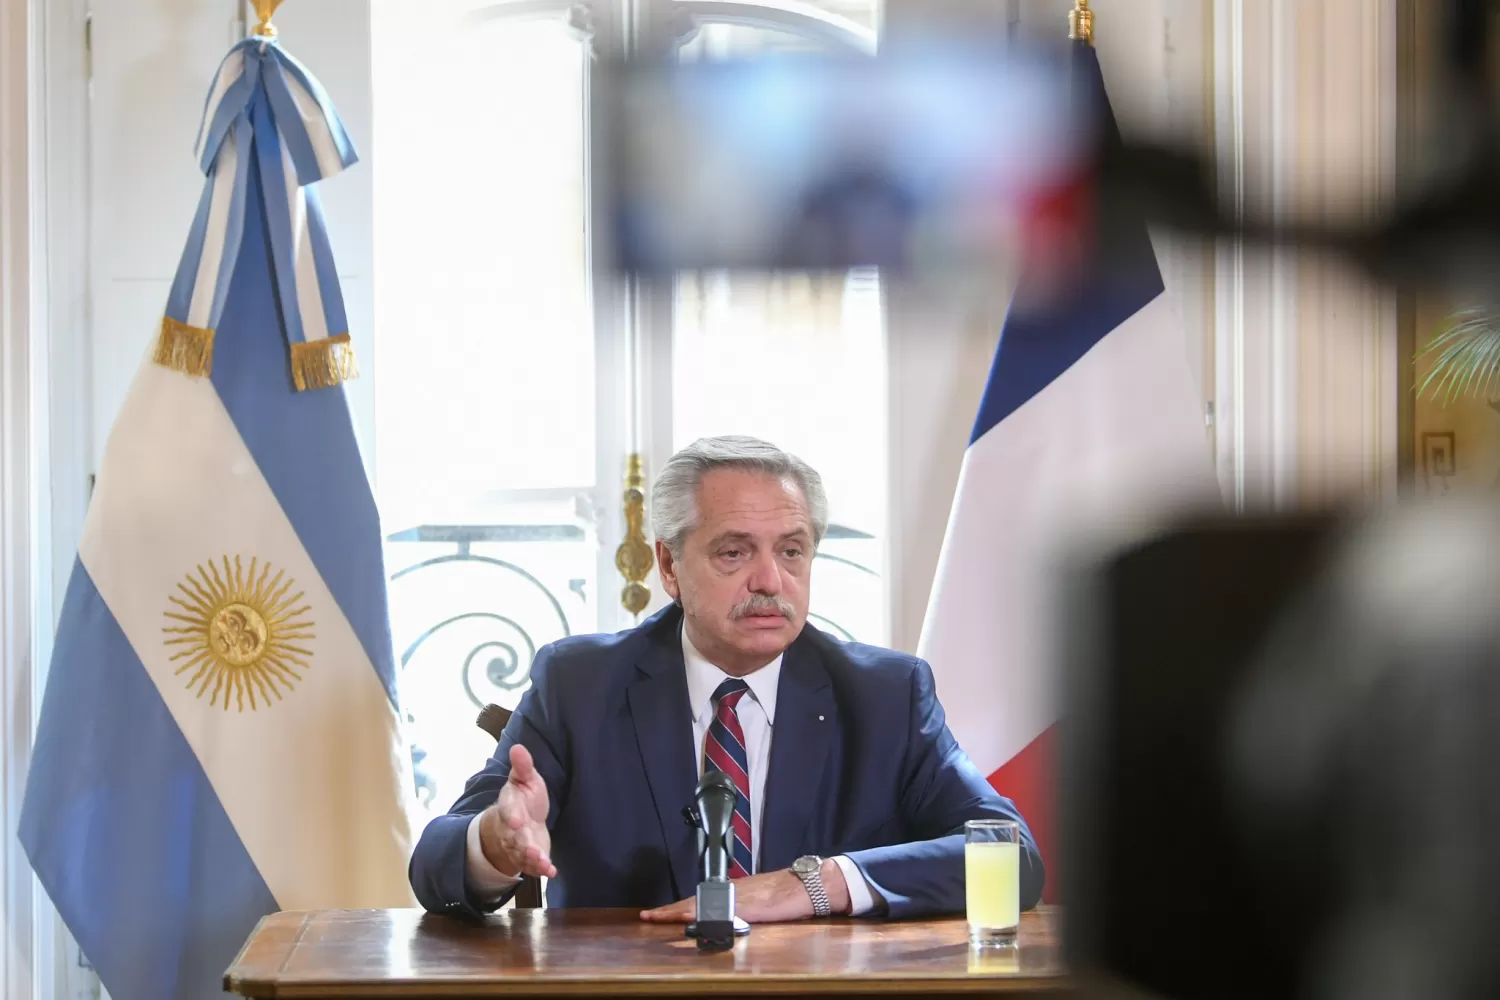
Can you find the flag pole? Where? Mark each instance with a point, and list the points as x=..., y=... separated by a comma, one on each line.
x=265, y=10
x=1081, y=23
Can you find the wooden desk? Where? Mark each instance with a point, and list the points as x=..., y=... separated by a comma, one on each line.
x=521, y=953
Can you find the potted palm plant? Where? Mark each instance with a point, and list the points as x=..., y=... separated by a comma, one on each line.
x=1466, y=356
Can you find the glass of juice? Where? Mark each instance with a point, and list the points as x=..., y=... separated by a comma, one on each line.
x=992, y=880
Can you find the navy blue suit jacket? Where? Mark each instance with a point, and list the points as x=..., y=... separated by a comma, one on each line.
x=862, y=764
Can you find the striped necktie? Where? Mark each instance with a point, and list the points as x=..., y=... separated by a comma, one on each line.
x=724, y=750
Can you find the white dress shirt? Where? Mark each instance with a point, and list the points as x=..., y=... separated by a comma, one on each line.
x=757, y=714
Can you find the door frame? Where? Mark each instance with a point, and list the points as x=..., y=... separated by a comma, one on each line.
x=44, y=383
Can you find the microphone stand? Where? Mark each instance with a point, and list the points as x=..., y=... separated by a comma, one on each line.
x=717, y=925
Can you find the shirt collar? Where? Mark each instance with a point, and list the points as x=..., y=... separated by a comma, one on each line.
x=703, y=679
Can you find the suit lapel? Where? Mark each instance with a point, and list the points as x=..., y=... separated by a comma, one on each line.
x=659, y=709
x=803, y=731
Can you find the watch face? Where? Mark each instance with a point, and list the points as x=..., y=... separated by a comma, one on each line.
x=806, y=866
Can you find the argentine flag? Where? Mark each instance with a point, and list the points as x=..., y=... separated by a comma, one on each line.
x=219, y=738
x=1091, y=417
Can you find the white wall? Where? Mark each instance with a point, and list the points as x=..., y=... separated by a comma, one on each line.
x=151, y=67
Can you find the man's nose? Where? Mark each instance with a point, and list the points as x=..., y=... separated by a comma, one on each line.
x=765, y=575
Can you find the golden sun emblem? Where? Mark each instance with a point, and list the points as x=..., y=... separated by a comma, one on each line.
x=240, y=632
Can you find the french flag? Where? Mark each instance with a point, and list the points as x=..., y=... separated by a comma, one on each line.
x=1091, y=411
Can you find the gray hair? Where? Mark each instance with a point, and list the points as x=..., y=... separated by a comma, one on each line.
x=674, y=495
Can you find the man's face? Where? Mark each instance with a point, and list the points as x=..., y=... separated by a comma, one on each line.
x=742, y=575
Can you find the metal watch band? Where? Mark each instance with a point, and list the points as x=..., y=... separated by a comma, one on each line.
x=813, y=883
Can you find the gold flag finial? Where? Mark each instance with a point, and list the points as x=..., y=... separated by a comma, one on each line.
x=265, y=10
x=1081, y=22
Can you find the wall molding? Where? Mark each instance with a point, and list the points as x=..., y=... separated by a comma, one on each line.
x=1306, y=351
x=19, y=304
x=1255, y=296
x=44, y=382
x=1347, y=403
x=1409, y=25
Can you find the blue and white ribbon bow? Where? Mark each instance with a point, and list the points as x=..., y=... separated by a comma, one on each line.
x=264, y=109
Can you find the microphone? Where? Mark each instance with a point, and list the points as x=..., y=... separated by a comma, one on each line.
x=714, y=804
x=712, y=813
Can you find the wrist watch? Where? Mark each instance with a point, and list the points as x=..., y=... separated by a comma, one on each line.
x=809, y=868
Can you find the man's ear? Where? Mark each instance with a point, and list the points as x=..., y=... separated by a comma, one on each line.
x=668, y=567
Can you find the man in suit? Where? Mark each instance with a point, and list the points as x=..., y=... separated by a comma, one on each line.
x=852, y=792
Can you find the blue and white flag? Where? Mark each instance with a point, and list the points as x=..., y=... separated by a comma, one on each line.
x=219, y=737
x=1091, y=416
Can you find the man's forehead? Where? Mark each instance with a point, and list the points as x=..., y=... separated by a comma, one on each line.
x=753, y=506
x=758, y=523
x=731, y=491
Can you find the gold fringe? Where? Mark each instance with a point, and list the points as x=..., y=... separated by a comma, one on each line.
x=322, y=364
x=183, y=348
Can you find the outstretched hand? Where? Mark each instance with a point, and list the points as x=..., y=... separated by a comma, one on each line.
x=513, y=832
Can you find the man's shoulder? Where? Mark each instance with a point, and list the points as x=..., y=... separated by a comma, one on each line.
x=594, y=658
x=591, y=653
x=861, y=662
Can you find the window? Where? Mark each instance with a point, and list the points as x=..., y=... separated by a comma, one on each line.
x=485, y=332
x=510, y=385
x=484, y=380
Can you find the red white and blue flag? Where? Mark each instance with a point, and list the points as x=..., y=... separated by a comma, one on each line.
x=1091, y=409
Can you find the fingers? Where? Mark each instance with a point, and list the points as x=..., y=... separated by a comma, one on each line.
x=681, y=912
x=522, y=767
x=530, y=857
x=534, y=861
x=771, y=897
x=527, y=844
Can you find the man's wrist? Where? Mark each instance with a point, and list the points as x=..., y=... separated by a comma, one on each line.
x=486, y=884
x=835, y=886
x=862, y=896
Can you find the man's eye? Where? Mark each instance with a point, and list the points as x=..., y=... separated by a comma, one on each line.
x=793, y=553
x=731, y=553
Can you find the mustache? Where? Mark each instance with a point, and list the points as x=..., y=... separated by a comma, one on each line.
x=759, y=604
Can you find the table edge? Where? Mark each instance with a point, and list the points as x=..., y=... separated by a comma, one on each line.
x=653, y=985
x=231, y=976
x=263, y=981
